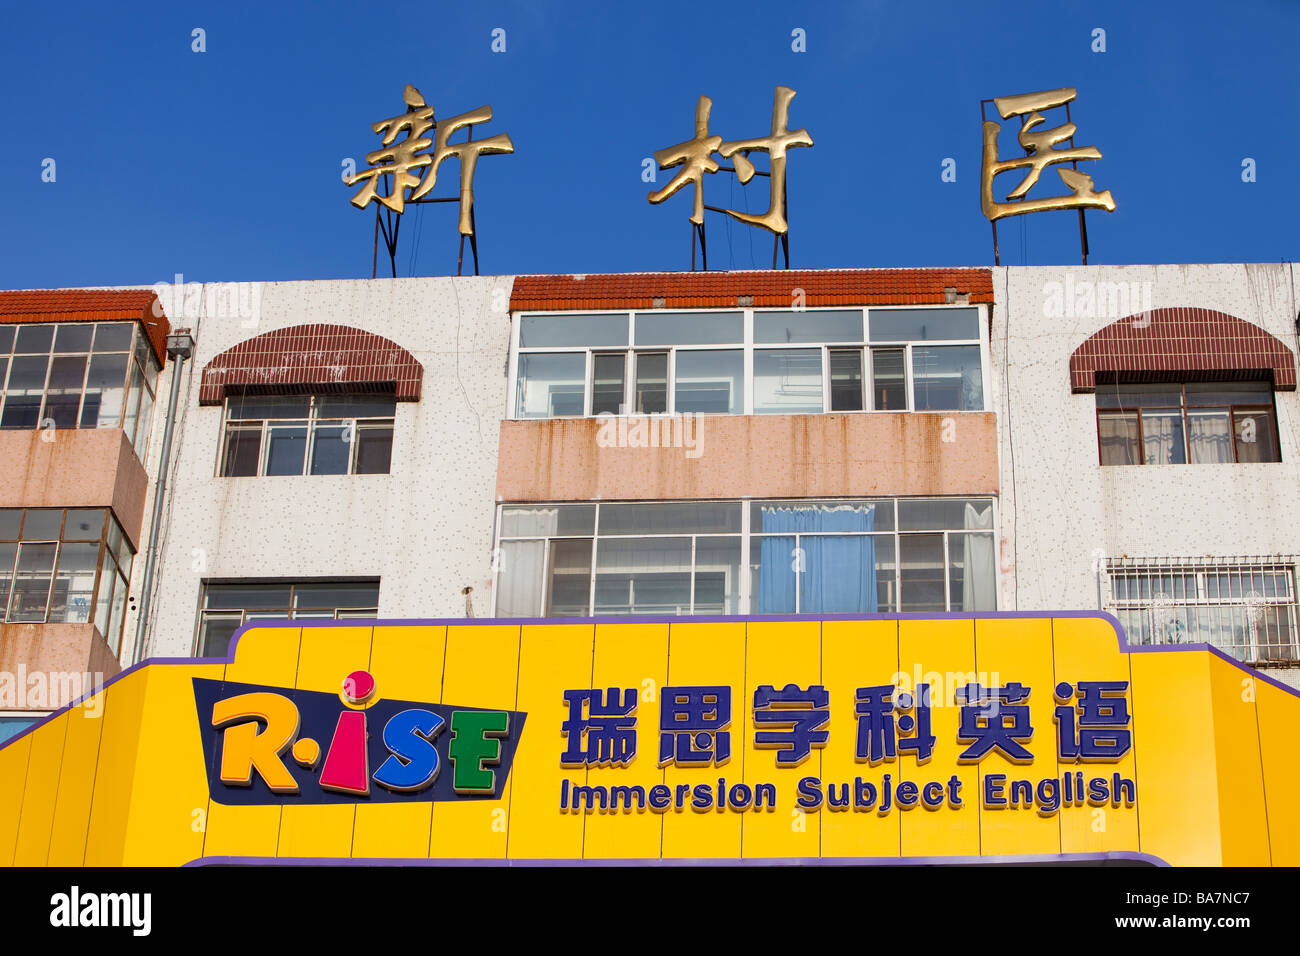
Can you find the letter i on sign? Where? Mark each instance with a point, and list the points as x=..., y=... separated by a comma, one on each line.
x=347, y=764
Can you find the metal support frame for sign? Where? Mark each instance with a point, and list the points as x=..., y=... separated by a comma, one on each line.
x=780, y=241
x=394, y=222
x=1083, y=224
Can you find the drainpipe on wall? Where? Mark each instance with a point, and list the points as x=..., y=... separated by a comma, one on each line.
x=180, y=346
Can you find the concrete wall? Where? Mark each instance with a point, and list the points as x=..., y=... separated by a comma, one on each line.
x=74, y=468
x=425, y=529
x=759, y=456
x=1061, y=511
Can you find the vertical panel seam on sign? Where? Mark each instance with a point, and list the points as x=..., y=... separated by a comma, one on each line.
x=744, y=737
x=1133, y=736
x=898, y=668
x=49, y=836
x=510, y=800
x=297, y=670
x=1060, y=829
x=821, y=761
x=370, y=663
x=442, y=686
x=94, y=773
x=586, y=770
x=668, y=679
x=979, y=764
x=1263, y=775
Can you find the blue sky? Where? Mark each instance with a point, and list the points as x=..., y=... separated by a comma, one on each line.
x=225, y=165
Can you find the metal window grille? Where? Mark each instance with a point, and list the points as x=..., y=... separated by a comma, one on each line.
x=1245, y=606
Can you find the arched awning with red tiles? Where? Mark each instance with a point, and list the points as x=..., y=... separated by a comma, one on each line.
x=316, y=358
x=1165, y=344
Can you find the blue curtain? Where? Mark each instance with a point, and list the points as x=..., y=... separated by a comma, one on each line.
x=838, y=574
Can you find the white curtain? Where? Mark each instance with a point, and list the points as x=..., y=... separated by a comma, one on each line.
x=519, y=579
x=1209, y=437
x=979, y=586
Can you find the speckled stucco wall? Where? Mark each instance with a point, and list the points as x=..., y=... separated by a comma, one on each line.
x=1061, y=512
x=425, y=529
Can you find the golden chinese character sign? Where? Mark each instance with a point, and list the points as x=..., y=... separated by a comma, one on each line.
x=398, y=158
x=986, y=737
x=695, y=157
x=1040, y=146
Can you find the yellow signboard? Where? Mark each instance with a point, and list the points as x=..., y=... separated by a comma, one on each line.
x=876, y=739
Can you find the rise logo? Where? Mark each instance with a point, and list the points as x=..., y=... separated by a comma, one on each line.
x=280, y=745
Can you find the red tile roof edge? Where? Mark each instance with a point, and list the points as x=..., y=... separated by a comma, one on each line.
x=89, y=305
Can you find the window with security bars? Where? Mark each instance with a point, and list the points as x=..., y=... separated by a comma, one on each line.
x=1244, y=607
x=307, y=434
x=227, y=606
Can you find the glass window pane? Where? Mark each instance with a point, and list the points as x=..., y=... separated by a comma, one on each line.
x=1229, y=393
x=114, y=635
x=607, y=383
x=356, y=406
x=215, y=632
x=689, y=328
x=286, y=448
x=243, y=448
x=74, y=337
x=1256, y=435
x=519, y=578
x=141, y=443
x=710, y=382
x=114, y=336
x=687, y=517
x=920, y=325
x=11, y=520
x=104, y=596
x=643, y=576
x=846, y=380
x=63, y=396
x=1111, y=395
x=262, y=407
x=947, y=378
x=74, y=583
x=972, y=573
x=84, y=525
x=133, y=402
x=32, y=339
x=717, y=575
x=568, y=592
x=921, y=569
x=32, y=578
x=888, y=382
x=42, y=524
x=25, y=391
x=772, y=562
x=8, y=552
x=536, y=521
x=550, y=385
x=941, y=514
x=1209, y=436
x=105, y=385
x=6, y=339
x=776, y=327
x=246, y=596
x=374, y=449
x=651, y=383
x=583, y=331
x=1162, y=438
x=331, y=449
x=334, y=595
x=786, y=380
x=1117, y=433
